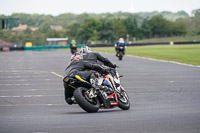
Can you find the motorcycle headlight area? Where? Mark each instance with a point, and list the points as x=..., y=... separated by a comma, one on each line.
x=107, y=83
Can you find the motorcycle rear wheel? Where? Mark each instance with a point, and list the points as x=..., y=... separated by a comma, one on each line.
x=87, y=104
x=120, y=55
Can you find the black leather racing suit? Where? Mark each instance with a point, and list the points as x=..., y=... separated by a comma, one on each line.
x=96, y=58
x=81, y=68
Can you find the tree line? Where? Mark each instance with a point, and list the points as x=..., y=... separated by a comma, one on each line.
x=94, y=28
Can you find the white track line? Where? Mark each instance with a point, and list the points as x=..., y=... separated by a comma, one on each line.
x=27, y=84
x=12, y=105
x=33, y=90
x=31, y=96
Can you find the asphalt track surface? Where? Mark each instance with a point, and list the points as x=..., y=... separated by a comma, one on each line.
x=164, y=96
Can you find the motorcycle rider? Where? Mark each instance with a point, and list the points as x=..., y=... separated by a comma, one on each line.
x=73, y=46
x=120, y=42
x=95, y=58
x=82, y=68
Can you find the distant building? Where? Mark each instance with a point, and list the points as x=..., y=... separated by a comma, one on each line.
x=4, y=43
x=22, y=27
x=56, y=27
x=5, y=46
x=33, y=28
x=57, y=41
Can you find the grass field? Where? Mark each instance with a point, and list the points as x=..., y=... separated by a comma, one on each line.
x=169, y=39
x=189, y=54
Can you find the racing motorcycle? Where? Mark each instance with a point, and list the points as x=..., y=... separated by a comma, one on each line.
x=120, y=52
x=91, y=99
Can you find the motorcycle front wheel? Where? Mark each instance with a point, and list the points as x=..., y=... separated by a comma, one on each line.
x=123, y=101
x=86, y=103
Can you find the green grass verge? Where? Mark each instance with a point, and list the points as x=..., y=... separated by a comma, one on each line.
x=189, y=54
x=169, y=39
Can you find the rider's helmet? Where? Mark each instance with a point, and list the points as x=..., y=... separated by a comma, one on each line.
x=73, y=42
x=84, y=49
x=75, y=56
x=121, y=40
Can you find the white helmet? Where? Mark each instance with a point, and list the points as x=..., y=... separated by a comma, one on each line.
x=84, y=49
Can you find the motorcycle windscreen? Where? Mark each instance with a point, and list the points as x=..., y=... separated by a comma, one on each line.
x=121, y=45
x=107, y=83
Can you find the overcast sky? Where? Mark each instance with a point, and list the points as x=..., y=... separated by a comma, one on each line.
x=56, y=7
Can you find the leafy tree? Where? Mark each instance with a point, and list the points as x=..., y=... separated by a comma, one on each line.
x=38, y=38
x=178, y=29
x=131, y=27
x=107, y=31
x=89, y=31
x=159, y=26
x=192, y=24
x=54, y=34
x=196, y=12
x=72, y=31
x=119, y=28
x=146, y=29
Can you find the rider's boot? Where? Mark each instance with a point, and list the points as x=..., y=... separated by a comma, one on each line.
x=69, y=101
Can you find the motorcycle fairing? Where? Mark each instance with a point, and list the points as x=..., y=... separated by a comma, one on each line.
x=108, y=81
x=114, y=96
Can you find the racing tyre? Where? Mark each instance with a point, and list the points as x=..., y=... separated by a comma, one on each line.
x=120, y=55
x=86, y=103
x=123, y=101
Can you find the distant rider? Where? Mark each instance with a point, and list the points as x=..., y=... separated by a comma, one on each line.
x=73, y=46
x=120, y=42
